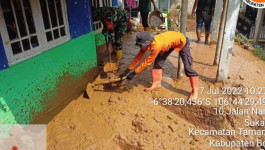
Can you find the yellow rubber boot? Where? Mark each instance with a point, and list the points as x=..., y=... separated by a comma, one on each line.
x=148, y=29
x=119, y=54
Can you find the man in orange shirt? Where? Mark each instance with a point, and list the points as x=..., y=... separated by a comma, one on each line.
x=160, y=47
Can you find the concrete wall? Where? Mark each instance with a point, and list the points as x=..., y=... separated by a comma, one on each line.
x=49, y=80
x=30, y=87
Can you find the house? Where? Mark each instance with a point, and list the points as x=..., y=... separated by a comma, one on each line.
x=47, y=56
x=246, y=24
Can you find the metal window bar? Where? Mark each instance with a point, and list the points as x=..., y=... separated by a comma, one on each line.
x=25, y=20
x=95, y=3
x=49, y=30
x=15, y=18
x=21, y=39
x=49, y=15
x=97, y=25
x=62, y=15
x=56, y=13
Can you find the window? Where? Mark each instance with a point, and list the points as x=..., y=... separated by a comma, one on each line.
x=29, y=27
x=98, y=27
x=106, y=3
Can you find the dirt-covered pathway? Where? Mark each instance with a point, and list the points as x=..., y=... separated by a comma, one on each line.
x=125, y=117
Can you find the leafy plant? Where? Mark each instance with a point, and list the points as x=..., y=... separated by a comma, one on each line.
x=245, y=38
x=237, y=37
x=259, y=52
x=248, y=43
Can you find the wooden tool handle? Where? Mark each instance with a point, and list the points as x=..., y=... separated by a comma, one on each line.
x=110, y=81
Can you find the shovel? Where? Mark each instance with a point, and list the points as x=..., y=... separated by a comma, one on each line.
x=109, y=66
x=110, y=81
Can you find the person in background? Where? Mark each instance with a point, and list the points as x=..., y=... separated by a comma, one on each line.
x=160, y=47
x=145, y=7
x=204, y=13
x=115, y=21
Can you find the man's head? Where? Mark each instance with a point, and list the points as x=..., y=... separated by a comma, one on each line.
x=143, y=39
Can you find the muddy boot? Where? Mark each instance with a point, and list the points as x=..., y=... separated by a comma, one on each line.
x=206, y=37
x=198, y=32
x=194, y=82
x=157, y=79
x=148, y=29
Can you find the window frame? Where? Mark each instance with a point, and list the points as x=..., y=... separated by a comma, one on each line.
x=44, y=45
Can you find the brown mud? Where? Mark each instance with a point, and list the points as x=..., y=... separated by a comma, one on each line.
x=123, y=116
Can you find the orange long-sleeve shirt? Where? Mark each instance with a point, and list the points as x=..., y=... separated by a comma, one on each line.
x=162, y=42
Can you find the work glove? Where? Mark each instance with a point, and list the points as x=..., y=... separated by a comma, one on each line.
x=124, y=74
x=131, y=75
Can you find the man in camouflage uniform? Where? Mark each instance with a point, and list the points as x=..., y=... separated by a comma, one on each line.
x=115, y=21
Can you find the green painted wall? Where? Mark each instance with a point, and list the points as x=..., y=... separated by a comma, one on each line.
x=27, y=88
x=100, y=39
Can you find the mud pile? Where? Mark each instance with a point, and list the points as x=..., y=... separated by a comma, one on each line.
x=123, y=116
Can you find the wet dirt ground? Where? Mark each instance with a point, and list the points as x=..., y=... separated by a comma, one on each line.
x=124, y=116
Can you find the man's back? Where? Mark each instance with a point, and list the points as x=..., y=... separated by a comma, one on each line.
x=205, y=5
x=170, y=39
x=144, y=5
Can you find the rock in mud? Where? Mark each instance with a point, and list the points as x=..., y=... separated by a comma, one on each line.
x=172, y=128
x=192, y=143
x=123, y=113
x=113, y=99
x=139, y=125
x=170, y=117
x=85, y=95
x=157, y=120
x=175, y=121
x=240, y=77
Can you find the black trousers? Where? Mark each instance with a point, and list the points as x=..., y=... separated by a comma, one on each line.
x=184, y=55
x=144, y=16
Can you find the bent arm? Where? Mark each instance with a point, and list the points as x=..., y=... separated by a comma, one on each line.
x=148, y=61
x=137, y=59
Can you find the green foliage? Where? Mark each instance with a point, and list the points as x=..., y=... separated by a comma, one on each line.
x=165, y=12
x=259, y=52
x=237, y=37
x=248, y=43
x=240, y=39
